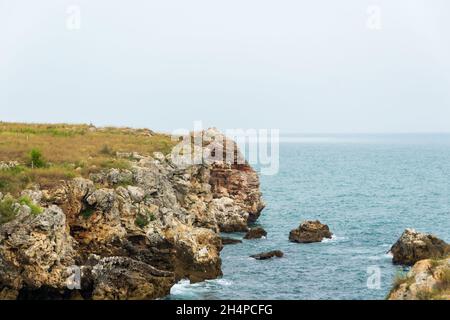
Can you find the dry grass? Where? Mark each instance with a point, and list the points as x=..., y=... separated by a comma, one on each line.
x=67, y=147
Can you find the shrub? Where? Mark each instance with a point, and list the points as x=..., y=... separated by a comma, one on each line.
x=425, y=294
x=35, y=209
x=106, y=150
x=36, y=160
x=141, y=221
x=444, y=284
x=87, y=213
x=7, y=210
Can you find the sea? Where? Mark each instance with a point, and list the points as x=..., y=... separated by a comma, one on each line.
x=366, y=188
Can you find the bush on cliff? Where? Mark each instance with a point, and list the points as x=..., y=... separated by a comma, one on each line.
x=35, y=209
x=7, y=209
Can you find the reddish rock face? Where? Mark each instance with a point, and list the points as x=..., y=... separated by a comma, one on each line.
x=240, y=182
x=310, y=231
x=163, y=227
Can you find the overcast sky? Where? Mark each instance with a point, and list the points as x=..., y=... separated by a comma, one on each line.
x=300, y=66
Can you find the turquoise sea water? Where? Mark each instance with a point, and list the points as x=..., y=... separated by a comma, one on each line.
x=368, y=189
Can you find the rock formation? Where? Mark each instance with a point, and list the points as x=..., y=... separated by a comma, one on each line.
x=227, y=241
x=310, y=231
x=268, y=255
x=413, y=246
x=131, y=233
x=255, y=233
x=427, y=280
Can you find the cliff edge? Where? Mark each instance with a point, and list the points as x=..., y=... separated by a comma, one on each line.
x=124, y=233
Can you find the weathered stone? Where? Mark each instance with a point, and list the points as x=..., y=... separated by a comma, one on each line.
x=35, y=251
x=121, y=278
x=427, y=280
x=413, y=246
x=310, y=231
x=131, y=232
x=268, y=255
x=255, y=233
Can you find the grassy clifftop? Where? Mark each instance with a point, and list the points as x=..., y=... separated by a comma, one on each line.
x=48, y=153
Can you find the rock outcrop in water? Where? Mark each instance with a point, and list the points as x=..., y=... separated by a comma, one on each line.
x=268, y=255
x=255, y=233
x=227, y=241
x=310, y=231
x=127, y=233
x=413, y=246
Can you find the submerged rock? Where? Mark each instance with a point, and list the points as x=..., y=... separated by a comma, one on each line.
x=413, y=246
x=255, y=233
x=310, y=231
x=227, y=241
x=268, y=255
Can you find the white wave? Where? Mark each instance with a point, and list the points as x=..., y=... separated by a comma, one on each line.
x=181, y=288
x=334, y=238
x=222, y=282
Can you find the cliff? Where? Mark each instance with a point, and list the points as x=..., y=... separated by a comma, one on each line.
x=129, y=232
x=427, y=280
x=429, y=277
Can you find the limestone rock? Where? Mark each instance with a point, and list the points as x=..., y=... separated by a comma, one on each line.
x=310, y=231
x=35, y=251
x=133, y=232
x=413, y=246
x=427, y=280
x=122, y=278
x=255, y=233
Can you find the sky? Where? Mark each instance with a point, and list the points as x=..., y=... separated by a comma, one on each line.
x=322, y=66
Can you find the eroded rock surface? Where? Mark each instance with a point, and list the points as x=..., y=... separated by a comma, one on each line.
x=428, y=279
x=255, y=233
x=310, y=231
x=413, y=246
x=132, y=232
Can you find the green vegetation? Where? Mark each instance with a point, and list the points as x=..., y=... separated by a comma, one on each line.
x=50, y=153
x=7, y=209
x=143, y=220
x=35, y=209
x=444, y=283
x=400, y=278
x=106, y=150
x=36, y=159
x=442, y=289
x=87, y=213
x=425, y=295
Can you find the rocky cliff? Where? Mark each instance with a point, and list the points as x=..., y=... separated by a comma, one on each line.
x=429, y=277
x=126, y=233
